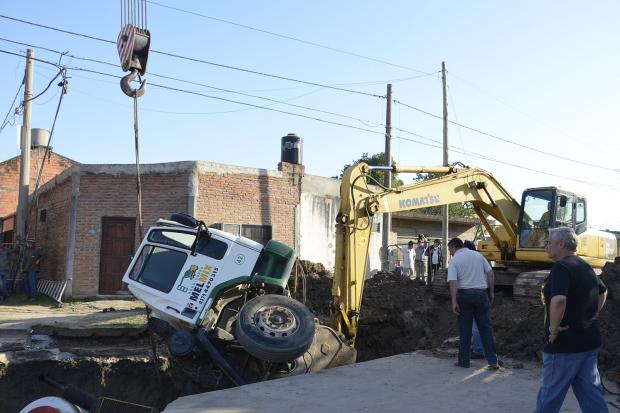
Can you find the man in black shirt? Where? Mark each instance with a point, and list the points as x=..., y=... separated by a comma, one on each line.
x=573, y=296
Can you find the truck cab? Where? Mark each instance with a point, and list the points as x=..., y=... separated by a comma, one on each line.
x=180, y=269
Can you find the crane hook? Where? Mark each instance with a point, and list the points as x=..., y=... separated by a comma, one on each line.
x=126, y=87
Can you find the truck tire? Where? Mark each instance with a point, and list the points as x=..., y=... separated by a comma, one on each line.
x=275, y=328
x=440, y=283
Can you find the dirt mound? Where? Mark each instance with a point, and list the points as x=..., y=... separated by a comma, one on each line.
x=399, y=316
x=314, y=270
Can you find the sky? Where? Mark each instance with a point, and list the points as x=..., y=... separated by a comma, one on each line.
x=532, y=86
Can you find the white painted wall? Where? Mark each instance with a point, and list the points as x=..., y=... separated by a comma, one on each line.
x=317, y=232
x=319, y=203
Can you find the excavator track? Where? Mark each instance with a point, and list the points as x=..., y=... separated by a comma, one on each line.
x=527, y=285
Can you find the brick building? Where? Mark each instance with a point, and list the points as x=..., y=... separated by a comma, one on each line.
x=53, y=164
x=85, y=216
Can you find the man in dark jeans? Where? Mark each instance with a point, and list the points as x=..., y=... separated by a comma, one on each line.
x=30, y=267
x=471, y=289
x=573, y=296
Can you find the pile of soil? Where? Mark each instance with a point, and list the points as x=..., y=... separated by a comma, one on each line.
x=400, y=316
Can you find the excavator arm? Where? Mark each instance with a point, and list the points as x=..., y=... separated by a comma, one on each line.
x=361, y=199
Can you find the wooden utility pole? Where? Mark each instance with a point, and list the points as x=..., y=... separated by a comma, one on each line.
x=444, y=221
x=387, y=180
x=24, y=170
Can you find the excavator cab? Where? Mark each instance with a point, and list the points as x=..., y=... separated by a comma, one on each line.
x=545, y=208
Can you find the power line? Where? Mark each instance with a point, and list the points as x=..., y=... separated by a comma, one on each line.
x=295, y=39
x=503, y=162
x=367, y=123
x=234, y=101
x=482, y=156
x=196, y=60
x=490, y=135
x=374, y=82
x=6, y=118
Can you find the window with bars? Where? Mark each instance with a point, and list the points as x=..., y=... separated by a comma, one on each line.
x=258, y=233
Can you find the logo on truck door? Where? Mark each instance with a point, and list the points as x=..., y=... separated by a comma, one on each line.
x=190, y=274
x=202, y=279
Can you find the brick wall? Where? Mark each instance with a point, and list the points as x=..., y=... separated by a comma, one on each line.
x=52, y=234
x=109, y=195
x=9, y=176
x=245, y=198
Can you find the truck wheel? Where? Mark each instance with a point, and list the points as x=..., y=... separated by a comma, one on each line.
x=275, y=328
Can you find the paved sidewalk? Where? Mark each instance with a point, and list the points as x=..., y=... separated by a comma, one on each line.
x=105, y=318
x=411, y=382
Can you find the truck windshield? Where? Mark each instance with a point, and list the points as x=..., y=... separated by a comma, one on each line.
x=158, y=267
x=207, y=245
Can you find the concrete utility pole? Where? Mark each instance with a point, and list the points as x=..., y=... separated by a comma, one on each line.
x=444, y=221
x=24, y=170
x=387, y=179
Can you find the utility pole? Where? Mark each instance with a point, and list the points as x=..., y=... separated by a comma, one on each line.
x=387, y=179
x=24, y=170
x=444, y=221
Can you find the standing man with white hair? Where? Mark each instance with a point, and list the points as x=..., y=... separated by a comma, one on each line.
x=573, y=296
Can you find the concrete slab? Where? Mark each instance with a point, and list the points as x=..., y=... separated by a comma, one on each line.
x=411, y=382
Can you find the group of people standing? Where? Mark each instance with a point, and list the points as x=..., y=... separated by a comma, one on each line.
x=572, y=294
x=422, y=260
x=26, y=263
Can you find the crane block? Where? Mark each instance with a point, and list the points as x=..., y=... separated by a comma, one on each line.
x=133, y=45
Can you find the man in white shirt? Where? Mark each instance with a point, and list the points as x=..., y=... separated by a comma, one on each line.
x=471, y=289
x=408, y=254
x=420, y=258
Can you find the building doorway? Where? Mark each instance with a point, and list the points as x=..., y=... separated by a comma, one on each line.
x=118, y=237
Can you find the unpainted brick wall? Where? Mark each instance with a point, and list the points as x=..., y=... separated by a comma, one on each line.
x=52, y=234
x=105, y=195
x=250, y=199
x=9, y=176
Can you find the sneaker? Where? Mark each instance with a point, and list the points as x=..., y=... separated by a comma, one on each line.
x=476, y=356
x=457, y=364
x=493, y=366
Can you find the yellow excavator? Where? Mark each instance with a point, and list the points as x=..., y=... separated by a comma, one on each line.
x=518, y=232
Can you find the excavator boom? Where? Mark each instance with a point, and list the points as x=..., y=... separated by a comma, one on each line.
x=360, y=201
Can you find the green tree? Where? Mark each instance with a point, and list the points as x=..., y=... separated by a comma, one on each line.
x=377, y=159
x=462, y=209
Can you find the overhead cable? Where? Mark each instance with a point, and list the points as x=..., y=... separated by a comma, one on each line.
x=192, y=59
x=295, y=39
x=503, y=162
x=490, y=135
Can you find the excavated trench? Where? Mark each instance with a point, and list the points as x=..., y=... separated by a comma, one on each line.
x=397, y=316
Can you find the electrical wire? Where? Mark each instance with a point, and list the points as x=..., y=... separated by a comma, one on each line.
x=35, y=194
x=196, y=60
x=295, y=39
x=477, y=155
x=366, y=123
x=504, y=162
x=236, y=102
x=367, y=83
x=6, y=118
x=490, y=135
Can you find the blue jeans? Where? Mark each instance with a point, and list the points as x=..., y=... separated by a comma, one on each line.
x=576, y=370
x=474, y=305
x=477, y=341
x=30, y=284
x=3, y=290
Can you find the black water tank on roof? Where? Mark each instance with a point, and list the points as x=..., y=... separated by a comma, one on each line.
x=291, y=149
